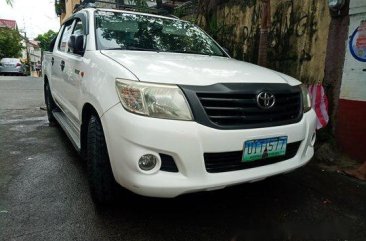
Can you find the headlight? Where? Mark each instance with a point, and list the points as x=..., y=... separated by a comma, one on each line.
x=154, y=100
x=305, y=98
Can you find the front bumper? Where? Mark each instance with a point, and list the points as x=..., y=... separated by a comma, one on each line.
x=130, y=136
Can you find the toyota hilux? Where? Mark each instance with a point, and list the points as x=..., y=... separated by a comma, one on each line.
x=154, y=104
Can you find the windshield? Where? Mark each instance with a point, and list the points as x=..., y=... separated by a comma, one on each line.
x=128, y=31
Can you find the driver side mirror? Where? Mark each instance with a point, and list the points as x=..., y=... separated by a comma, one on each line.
x=76, y=44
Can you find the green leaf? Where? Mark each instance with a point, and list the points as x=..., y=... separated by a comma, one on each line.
x=10, y=43
x=45, y=39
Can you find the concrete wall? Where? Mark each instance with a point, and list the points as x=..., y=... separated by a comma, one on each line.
x=35, y=54
x=350, y=126
x=298, y=34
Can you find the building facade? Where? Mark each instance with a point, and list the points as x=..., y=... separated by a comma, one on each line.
x=69, y=7
x=350, y=122
x=6, y=23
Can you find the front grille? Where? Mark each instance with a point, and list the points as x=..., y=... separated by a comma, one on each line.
x=232, y=161
x=230, y=106
x=242, y=109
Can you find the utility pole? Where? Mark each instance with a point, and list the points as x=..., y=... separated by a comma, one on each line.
x=26, y=46
x=26, y=49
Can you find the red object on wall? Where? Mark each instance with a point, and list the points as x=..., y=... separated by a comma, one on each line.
x=319, y=101
x=351, y=128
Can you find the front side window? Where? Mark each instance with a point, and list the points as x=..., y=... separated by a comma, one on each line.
x=65, y=37
x=128, y=31
x=78, y=29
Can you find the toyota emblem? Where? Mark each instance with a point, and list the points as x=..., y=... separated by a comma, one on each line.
x=266, y=100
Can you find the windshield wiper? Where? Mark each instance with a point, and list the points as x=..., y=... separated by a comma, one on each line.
x=142, y=49
x=191, y=52
x=133, y=48
x=114, y=49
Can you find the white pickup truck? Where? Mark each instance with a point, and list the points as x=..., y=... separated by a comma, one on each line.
x=154, y=104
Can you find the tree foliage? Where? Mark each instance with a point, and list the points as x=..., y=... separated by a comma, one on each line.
x=45, y=39
x=10, y=43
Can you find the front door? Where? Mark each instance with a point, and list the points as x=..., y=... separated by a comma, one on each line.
x=72, y=78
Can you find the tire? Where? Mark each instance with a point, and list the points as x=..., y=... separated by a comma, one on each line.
x=101, y=180
x=50, y=103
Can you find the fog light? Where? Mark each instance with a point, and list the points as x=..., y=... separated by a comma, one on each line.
x=148, y=162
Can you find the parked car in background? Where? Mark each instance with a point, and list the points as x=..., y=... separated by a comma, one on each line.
x=11, y=66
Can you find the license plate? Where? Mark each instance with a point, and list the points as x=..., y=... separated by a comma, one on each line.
x=264, y=148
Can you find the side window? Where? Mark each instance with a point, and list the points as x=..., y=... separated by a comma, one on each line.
x=65, y=37
x=78, y=30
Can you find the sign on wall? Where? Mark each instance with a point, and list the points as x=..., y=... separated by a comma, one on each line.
x=354, y=71
x=357, y=43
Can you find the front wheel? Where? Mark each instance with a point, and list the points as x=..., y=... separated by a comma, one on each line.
x=102, y=184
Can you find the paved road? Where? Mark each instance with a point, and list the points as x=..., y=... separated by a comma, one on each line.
x=44, y=194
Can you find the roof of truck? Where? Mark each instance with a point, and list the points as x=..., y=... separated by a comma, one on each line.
x=134, y=12
x=125, y=8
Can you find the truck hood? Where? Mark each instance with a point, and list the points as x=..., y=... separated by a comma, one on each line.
x=190, y=69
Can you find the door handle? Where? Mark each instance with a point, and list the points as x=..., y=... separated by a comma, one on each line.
x=62, y=65
x=52, y=60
